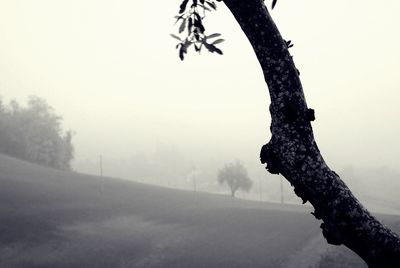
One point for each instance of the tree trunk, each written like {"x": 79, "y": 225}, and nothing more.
{"x": 292, "y": 150}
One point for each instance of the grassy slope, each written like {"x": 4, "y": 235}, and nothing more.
{"x": 50, "y": 218}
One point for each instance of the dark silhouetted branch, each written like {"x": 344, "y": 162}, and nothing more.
{"x": 292, "y": 150}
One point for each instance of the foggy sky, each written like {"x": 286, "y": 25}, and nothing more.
{"x": 111, "y": 70}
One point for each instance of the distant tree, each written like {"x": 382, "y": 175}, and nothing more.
{"x": 34, "y": 133}
{"x": 235, "y": 176}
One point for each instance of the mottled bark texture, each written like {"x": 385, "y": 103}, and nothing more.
{"x": 292, "y": 150}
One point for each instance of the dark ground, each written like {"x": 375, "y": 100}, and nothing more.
{"x": 50, "y": 218}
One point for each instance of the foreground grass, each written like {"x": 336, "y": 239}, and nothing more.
{"x": 50, "y": 218}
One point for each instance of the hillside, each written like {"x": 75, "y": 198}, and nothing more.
{"x": 51, "y": 218}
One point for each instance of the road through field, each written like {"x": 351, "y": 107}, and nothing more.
{"x": 310, "y": 254}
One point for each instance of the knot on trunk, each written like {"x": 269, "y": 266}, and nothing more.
{"x": 292, "y": 112}
{"x": 332, "y": 235}
{"x": 269, "y": 156}
{"x": 310, "y": 114}
{"x": 317, "y": 214}
{"x": 300, "y": 192}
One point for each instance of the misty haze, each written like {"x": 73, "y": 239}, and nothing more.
{"x": 127, "y": 140}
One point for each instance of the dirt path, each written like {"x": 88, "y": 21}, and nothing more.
{"x": 310, "y": 255}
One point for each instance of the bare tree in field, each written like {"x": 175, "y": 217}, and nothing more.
{"x": 235, "y": 176}
{"x": 292, "y": 150}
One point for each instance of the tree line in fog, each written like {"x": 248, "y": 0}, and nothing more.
{"x": 34, "y": 133}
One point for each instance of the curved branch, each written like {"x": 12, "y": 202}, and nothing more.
{"x": 292, "y": 150}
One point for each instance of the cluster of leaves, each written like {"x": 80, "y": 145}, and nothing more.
{"x": 274, "y": 3}
{"x": 34, "y": 133}
{"x": 191, "y": 18}
{"x": 191, "y": 25}
{"x": 289, "y": 43}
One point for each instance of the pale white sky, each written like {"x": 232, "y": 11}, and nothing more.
{"x": 111, "y": 69}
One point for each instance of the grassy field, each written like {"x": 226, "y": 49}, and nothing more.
{"x": 50, "y": 218}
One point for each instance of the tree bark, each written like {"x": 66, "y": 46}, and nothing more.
{"x": 292, "y": 150}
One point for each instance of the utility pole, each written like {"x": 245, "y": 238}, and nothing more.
{"x": 194, "y": 181}
{"x": 101, "y": 165}
{"x": 282, "y": 200}
{"x": 101, "y": 174}
{"x": 193, "y": 173}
